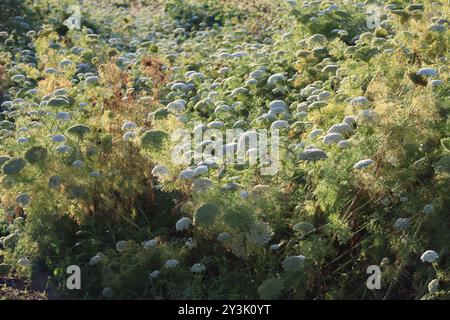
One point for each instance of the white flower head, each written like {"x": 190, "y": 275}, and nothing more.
{"x": 22, "y": 140}
{"x": 224, "y": 236}
{"x": 293, "y": 263}
{"x": 344, "y": 144}
{"x": 155, "y": 274}
{"x": 25, "y": 262}
{"x": 436, "y": 83}
{"x": 63, "y": 149}
{"x": 313, "y": 154}
{"x": 433, "y": 286}
{"x": 191, "y": 244}
{"x": 63, "y": 116}
{"x": 95, "y": 174}
{"x": 121, "y": 245}
{"x": 385, "y": 202}
{"x": 428, "y": 209}
{"x": 244, "y": 194}
{"x": 108, "y": 292}
{"x": 171, "y": 263}
{"x": 127, "y": 136}
{"x": 160, "y": 171}
{"x": 367, "y": 117}
{"x": 183, "y": 224}
{"x": 202, "y": 169}
{"x": 402, "y": 223}
{"x": 275, "y": 246}
{"x": 186, "y": 174}
{"x": 350, "y": 120}
{"x": 175, "y": 107}
{"x": 315, "y": 133}
{"x": 362, "y": 164}
{"x": 334, "y": 137}
{"x": 427, "y": 72}
{"x": 429, "y": 256}
{"x": 384, "y": 261}
{"x": 359, "y": 102}
{"x": 77, "y": 164}
{"x": 276, "y": 79}
{"x": 95, "y": 260}
{"x": 201, "y": 185}
{"x": 342, "y": 128}
{"x": 58, "y": 138}
{"x": 317, "y": 41}
{"x": 260, "y": 233}
{"x": 23, "y": 199}
{"x": 277, "y": 106}
{"x": 150, "y": 243}
{"x": 198, "y": 268}
{"x": 280, "y": 124}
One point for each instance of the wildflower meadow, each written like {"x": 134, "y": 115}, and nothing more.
{"x": 207, "y": 149}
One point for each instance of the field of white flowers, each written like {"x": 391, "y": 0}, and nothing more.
{"x": 96, "y": 96}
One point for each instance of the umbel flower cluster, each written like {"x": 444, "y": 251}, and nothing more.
{"x": 94, "y": 95}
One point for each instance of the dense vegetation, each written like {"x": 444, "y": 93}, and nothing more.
{"x": 359, "y": 91}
